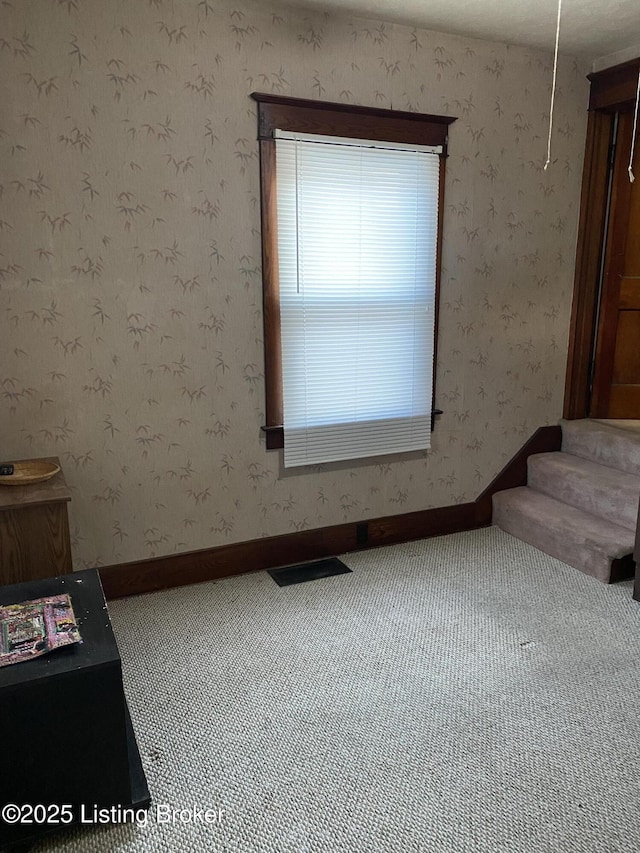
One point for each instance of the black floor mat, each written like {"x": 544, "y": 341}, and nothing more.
{"x": 309, "y": 571}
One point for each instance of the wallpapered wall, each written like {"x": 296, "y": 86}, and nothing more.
{"x": 130, "y": 267}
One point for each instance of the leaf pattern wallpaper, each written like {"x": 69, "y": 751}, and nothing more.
{"x": 130, "y": 279}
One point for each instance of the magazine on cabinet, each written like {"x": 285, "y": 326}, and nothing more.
{"x": 34, "y": 628}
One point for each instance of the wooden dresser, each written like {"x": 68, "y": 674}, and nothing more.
{"x": 34, "y": 530}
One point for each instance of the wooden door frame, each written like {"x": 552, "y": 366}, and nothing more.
{"x": 612, "y": 90}
{"x": 613, "y": 270}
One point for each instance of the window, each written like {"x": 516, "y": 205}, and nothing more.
{"x": 351, "y": 212}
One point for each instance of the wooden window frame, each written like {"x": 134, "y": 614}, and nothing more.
{"x": 327, "y": 119}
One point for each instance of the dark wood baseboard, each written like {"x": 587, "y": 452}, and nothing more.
{"x": 636, "y": 556}
{"x": 274, "y": 551}
{"x": 622, "y": 569}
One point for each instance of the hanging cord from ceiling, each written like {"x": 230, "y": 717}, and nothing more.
{"x": 553, "y": 86}
{"x": 633, "y": 133}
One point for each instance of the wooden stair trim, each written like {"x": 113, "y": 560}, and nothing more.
{"x": 547, "y": 439}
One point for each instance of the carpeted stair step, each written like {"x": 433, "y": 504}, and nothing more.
{"x": 597, "y": 489}
{"x": 609, "y": 445}
{"x": 579, "y": 539}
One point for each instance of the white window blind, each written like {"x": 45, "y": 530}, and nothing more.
{"x": 357, "y": 236}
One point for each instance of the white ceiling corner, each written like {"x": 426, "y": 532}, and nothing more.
{"x": 591, "y": 29}
{"x": 616, "y": 58}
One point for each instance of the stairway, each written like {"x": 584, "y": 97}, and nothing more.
{"x": 581, "y": 504}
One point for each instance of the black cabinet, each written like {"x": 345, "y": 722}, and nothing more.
{"x": 65, "y": 729}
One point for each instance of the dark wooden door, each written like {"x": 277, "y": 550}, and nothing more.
{"x": 616, "y": 377}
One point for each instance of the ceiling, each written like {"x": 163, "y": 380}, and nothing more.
{"x": 589, "y": 28}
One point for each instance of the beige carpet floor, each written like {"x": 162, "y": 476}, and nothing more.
{"x": 465, "y": 693}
